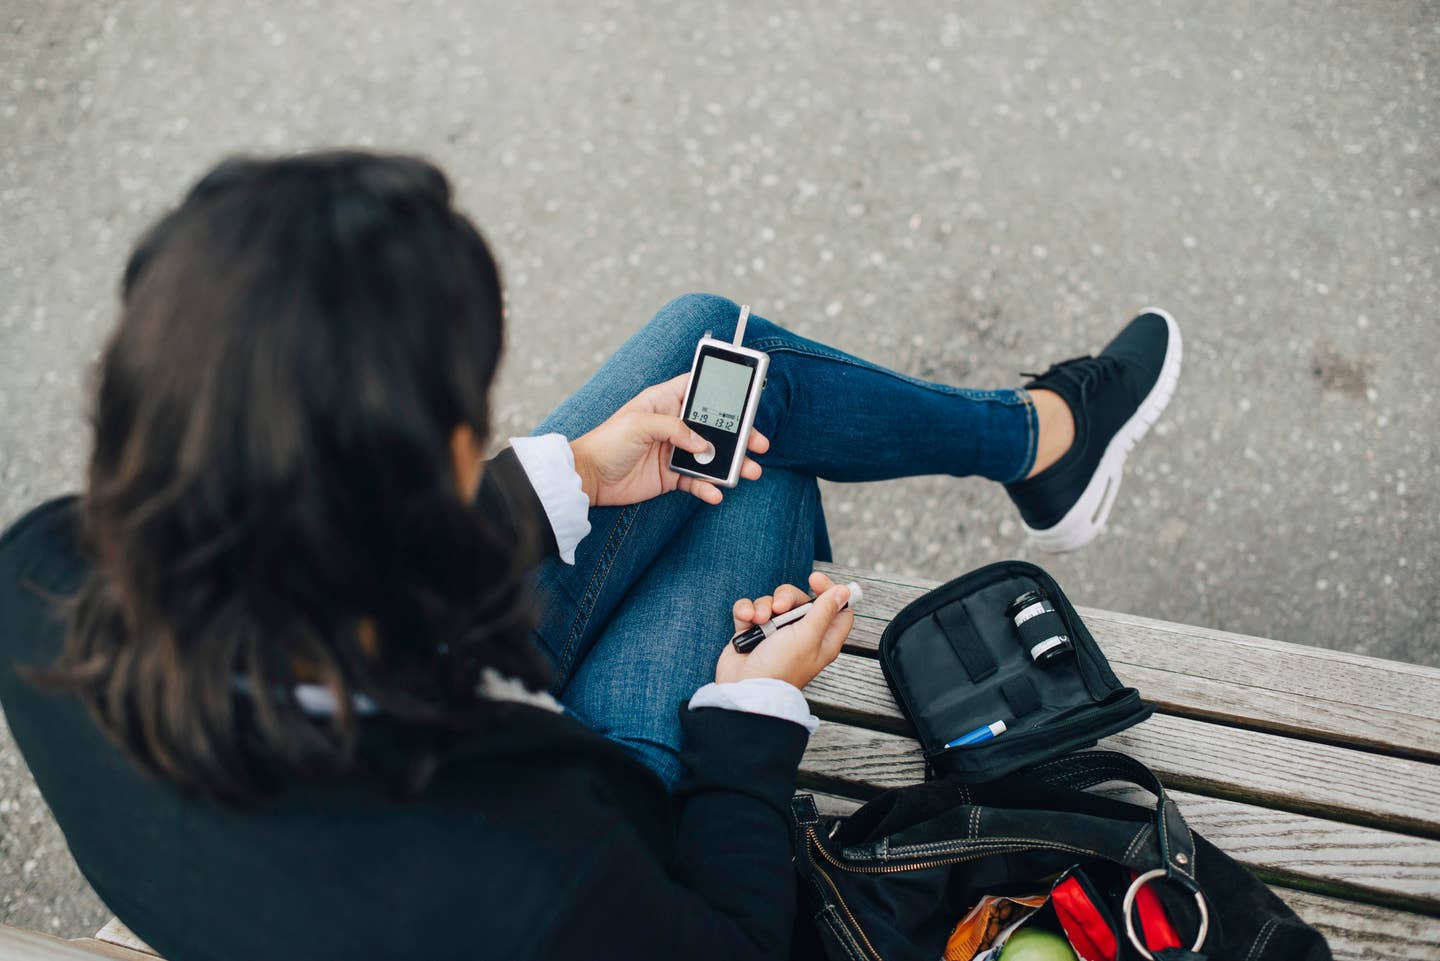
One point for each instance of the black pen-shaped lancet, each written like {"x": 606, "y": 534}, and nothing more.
{"x": 747, "y": 640}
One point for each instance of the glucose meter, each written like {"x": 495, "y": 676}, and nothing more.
{"x": 720, "y": 404}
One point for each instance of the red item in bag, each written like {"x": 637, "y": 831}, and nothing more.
{"x": 1086, "y": 923}
{"x": 1155, "y": 924}
{"x": 1090, "y": 927}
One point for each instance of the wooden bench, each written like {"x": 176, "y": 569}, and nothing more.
{"x": 112, "y": 941}
{"x": 1319, "y": 770}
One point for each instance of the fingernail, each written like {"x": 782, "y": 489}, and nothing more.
{"x": 697, "y": 440}
{"x": 843, "y": 595}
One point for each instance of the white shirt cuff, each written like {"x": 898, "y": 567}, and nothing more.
{"x": 758, "y": 695}
{"x": 549, "y": 463}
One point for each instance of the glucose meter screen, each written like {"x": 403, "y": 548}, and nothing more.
{"x": 720, "y": 394}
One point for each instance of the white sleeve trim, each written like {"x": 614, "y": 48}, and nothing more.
{"x": 495, "y": 686}
{"x": 758, "y": 695}
{"x": 550, "y": 464}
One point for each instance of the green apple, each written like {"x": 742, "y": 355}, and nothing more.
{"x": 1036, "y": 944}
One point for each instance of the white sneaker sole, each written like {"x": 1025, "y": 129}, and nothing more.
{"x": 1087, "y": 517}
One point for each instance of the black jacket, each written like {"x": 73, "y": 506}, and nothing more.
{"x": 537, "y": 839}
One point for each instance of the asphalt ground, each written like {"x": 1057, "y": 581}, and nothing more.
{"x": 959, "y": 192}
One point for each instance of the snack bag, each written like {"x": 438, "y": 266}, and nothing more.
{"x": 988, "y": 924}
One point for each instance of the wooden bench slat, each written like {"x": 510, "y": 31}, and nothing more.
{"x": 1306, "y": 692}
{"x": 1407, "y": 690}
{"x": 18, "y": 944}
{"x": 114, "y": 932}
{"x": 1278, "y": 712}
{"x": 1393, "y": 793}
{"x": 1382, "y": 867}
{"x": 1363, "y": 932}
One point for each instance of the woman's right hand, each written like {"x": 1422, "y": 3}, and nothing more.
{"x": 799, "y": 651}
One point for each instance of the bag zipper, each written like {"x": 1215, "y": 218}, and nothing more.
{"x": 998, "y": 846}
{"x": 815, "y": 845}
{"x": 855, "y": 924}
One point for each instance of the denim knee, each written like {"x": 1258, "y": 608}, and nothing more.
{"x": 685, "y": 319}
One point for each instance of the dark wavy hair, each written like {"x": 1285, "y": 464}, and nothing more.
{"x": 272, "y": 478}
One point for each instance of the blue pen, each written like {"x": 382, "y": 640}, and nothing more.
{"x": 981, "y": 734}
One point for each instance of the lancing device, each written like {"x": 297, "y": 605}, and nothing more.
{"x": 986, "y": 732}
{"x": 747, "y": 640}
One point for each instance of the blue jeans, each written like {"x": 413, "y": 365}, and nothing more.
{"x": 635, "y": 626}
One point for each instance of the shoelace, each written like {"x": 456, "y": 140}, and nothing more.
{"x": 1083, "y": 372}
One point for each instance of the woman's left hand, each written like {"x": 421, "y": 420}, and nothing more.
{"x": 627, "y": 458}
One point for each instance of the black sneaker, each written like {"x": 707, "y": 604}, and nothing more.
{"x": 1115, "y": 398}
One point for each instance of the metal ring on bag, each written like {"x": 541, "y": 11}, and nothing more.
{"x": 1134, "y": 889}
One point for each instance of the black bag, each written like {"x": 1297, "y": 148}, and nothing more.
{"x": 890, "y": 882}
{"x": 1012, "y": 815}
{"x": 956, "y": 662}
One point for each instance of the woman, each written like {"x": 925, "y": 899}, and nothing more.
{"x": 276, "y": 671}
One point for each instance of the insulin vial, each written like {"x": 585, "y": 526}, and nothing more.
{"x": 1051, "y": 645}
